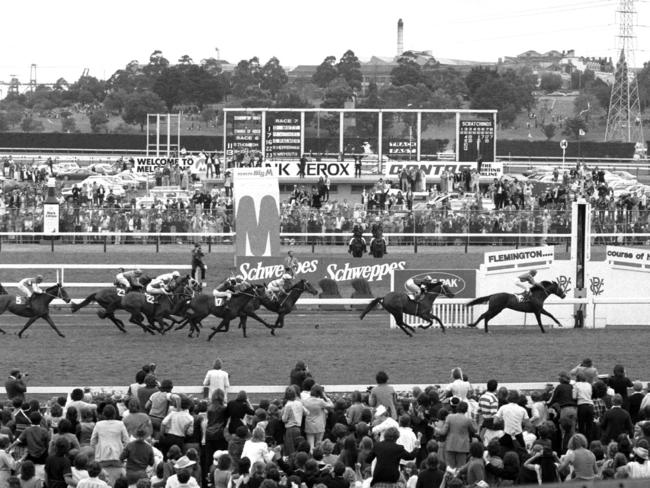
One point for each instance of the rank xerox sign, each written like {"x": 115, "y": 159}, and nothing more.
{"x": 257, "y": 211}
{"x": 462, "y": 282}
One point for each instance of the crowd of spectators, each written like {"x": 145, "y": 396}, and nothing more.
{"x": 587, "y": 427}
{"x": 506, "y": 206}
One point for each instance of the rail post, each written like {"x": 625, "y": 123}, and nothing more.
{"x": 157, "y": 243}
{"x": 105, "y": 238}
{"x": 209, "y": 244}
{"x": 415, "y": 244}
{"x": 52, "y": 244}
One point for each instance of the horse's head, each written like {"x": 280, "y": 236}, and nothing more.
{"x": 193, "y": 285}
{"x": 304, "y": 285}
{"x": 440, "y": 288}
{"x": 552, "y": 287}
{"x": 59, "y": 292}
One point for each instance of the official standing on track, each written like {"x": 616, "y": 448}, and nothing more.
{"x": 197, "y": 262}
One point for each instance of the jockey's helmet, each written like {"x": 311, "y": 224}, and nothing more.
{"x": 137, "y": 272}
{"x": 39, "y": 278}
{"x": 176, "y": 274}
{"x": 533, "y": 272}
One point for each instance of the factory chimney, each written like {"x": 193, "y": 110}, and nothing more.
{"x": 400, "y": 37}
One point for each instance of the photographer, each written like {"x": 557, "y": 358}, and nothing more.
{"x": 16, "y": 384}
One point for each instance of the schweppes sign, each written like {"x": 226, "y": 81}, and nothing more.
{"x": 257, "y": 211}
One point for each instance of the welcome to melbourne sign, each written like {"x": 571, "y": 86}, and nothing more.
{"x": 149, "y": 165}
{"x": 257, "y": 211}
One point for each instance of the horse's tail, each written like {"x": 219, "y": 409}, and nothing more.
{"x": 87, "y": 301}
{"x": 370, "y": 306}
{"x": 478, "y": 301}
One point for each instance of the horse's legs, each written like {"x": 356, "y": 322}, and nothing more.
{"x": 118, "y": 323}
{"x": 548, "y": 314}
{"x": 538, "y": 316}
{"x": 48, "y": 319}
{"x": 27, "y": 325}
{"x": 437, "y": 319}
{"x": 242, "y": 323}
{"x": 399, "y": 320}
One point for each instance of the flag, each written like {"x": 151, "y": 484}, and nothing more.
{"x": 582, "y": 132}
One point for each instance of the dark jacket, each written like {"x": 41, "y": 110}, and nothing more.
{"x": 15, "y": 388}
{"x": 616, "y": 421}
{"x": 388, "y": 455}
{"x": 430, "y": 478}
{"x": 237, "y": 409}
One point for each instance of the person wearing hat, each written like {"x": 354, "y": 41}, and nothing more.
{"x": 31, "y": 286}
{"x": 182, "y": 478}
{"x": 418, "y": 287}
{"x": 640, "y": 467}
{"x": 129, "y": 279}
{"x": 382, "y": 422}
{"x": 526, "y": 281}
{"x": 160, "y": 285}
{"x": 197, "y": 262}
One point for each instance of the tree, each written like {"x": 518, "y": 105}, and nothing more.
{"x": 349, "y": 68}
{"x": 508, "y": 92}
{"x": 273, "y": 76}
{"x": 98, "y": 120}
{"x": 4, "y": 123}
{"x": 551, "y": 82}
{"x": 254, "y": 96}
{"x": 13, "y": 115}
{"x": 477, "y": 77}
{"x": 29, "y": 124}
{"x": 68, "y": 124}
{"x": 602, "y": 92}
{"x": 208, "y": 115}
{"x": 185, "y": 60}
{"x": 291, "y": 100}
{"x": 643, "y": 79}
{"x": 580, "y": 80}
{"x": 246, "y": 74}
{"x": 436, "y": 77}
{"x": 198, "y": 86}
{"x": 115, "y": 101}
{"x": 338, "y": 92}
{"x": 87, "y": 90}
{"x": 139, "y": 104}
{"x": 157, "y": 64}
{"x": 549, "y": 131}
{"x": 212, "y": 66}
{"x": 325, "y": 73}
{"x": 168, "y": 86}
{"x": 573, "y": 126}
{"x": 407, "y": 72}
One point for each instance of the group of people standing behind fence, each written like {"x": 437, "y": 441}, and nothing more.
{"x": 587, "y": 427}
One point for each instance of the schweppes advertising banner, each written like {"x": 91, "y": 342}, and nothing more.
{"x": 343, "y": 269}
{"x": 257, "y": 211}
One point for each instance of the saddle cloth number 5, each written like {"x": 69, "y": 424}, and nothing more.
{"x": 20, "y": 300}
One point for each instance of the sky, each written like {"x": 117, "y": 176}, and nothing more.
{"x": 65, "y": 37}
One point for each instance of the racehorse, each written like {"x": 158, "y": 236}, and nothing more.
{"x": 110, "y": 300}
{"x": 378, "y": 246}
{"x": 203, "y": 305}
{"x": 535, "y": 304}
{"x": 357, "y": 246}
{"x": 155, "y": 309}
{"x": 281, "y": 307}
{"x": 39, "y": 308}
{"x": 398, "y": 303}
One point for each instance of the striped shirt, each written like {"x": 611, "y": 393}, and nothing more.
{"x": 488, "y": 405}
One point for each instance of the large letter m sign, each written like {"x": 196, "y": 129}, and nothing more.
{"x": 257, "y": 223}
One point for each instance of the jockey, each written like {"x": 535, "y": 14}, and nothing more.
{"x": 129, "y": 279}
{"x": 357, "y": 245}
{"x": 160, "y": 284}
{"x": 276, "y": 287}
{"x": 526, "y": 281}
{"x": 31, "y": 286}
{"x": 225, "y": 289}
{"x": 418, "y": 287}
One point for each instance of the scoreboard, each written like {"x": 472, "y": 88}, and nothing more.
{"x": 476, "y": 140}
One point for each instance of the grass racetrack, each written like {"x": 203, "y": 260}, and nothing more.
{"x": 338, "y": 347}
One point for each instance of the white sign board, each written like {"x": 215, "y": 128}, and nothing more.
{"x": 51, "y": 218}
{"x": 519, "y": 258}
{"x": 628, "y": 257}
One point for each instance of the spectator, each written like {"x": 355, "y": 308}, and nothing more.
{"x": 36, "y": 439}
{"x": 134, "y": 419}
{"x": 316, "y": 405}
{"x": 639, "y": 467}
{"x": 388, "y": 454}
{"x": 58, "y": 470}
{"x": 458, "y": 429}
{"x": 383, "y": 395}
{"x": 237, "y": 409}
{"x": 108, "y": 440}
{"x": 256, "y": 449}
{"x": 616, "y": 421}
{"x": 16, "y": 384}
{"x": 515, "y": 418}
{"x": 298, "y": 374}
{"x": 587, "y": 368}
{"x": 619, "y": 382}
{"x": 292, "y": 415}
{"x": 177, "y": 425}
{"x": 138, "y": 456}
{"x": 581, "y": 459}
{"x": 7, "y": 463}
{"x": 216, "y": 378}
{"x": 582, "y": 392}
